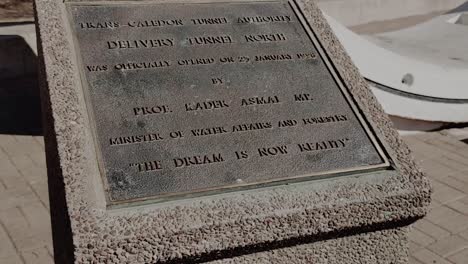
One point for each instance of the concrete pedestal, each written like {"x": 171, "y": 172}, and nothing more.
{"x": 353, "y": 217}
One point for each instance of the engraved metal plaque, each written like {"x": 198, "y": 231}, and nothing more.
{"x": 189, "y": 98}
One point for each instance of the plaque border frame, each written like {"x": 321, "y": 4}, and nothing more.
{"x": 387, "y": 164}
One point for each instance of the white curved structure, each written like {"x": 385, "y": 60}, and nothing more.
{"x": 359, "y": 12}
{"x": 417, "y": 73}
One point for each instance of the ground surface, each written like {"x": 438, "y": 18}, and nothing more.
{"x": 440, "y": 238}
{"x": 394, "y": 24}
{"x": 16, "y": 10}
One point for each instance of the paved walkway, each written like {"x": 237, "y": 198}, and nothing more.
{"x": 25, "y": 233}
{"x": 440, "y": 238}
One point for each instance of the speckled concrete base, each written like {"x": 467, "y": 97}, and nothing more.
{"x": 382, "y": 247}
{"x": 218, "y": 227}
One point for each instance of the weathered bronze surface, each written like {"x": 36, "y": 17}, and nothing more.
{"x": 188, "y": 98}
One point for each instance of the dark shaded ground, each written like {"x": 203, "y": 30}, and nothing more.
{"x": 13, "y": 10}
{"x": 20, "y": 106}
{"x": 20, "y": 109}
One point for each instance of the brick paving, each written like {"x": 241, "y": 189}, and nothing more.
{"x": 440, "y": 238}
{"x": 25, "y": 232}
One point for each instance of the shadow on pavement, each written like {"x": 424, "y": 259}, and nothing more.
{"x": 461, "y": 8}
{"x": 20, "y": 108}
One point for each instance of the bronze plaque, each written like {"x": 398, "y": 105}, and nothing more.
{"x": 190, "y": 98}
